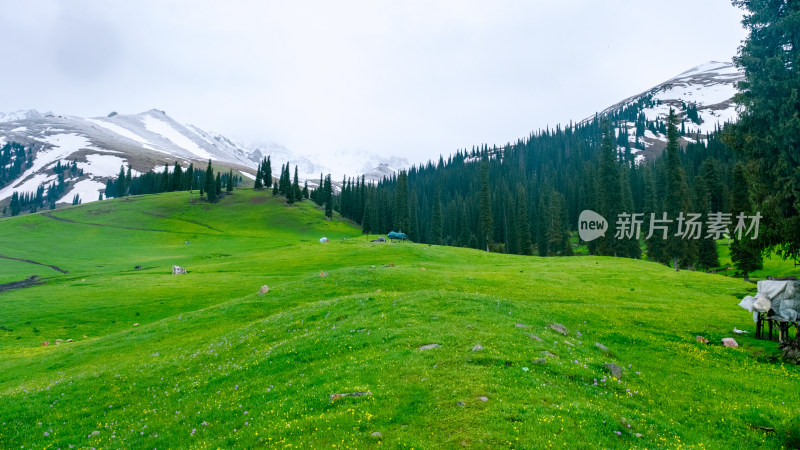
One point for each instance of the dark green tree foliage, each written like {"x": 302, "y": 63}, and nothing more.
{"x": 745, "y": 252}
{"x": 677, "y": 194}
{"x": 290, "y": 188}
{"x": 707, "y": 257}
{"x": 630, "y": 248}
{"x": 305, "y": 190}
{"x": 121, "y": 187}
{"x": 486, "y": 208}
{"x": 401, "y": 219}
{"x": 177, "y": 178}
{"x": 258, "y": 183}
{"x": 218, "y": 185}
{"x": 15, "y": 204}
{"x": 436, "y": 225}
{"x": 327, "y": 196}
{"x": 267, "y": 173}
{"x": 229, "y": 184}
{"x": 523, "y": 226}
{"x": 210, "y": 184}
{"x": 609, "y": 188}
{"x": 768, "y": 129}
{"x": 296, "y": 192}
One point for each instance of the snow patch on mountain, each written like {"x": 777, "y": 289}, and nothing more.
{"x": 87, "y": 190}
{"x": 168, "y": 132}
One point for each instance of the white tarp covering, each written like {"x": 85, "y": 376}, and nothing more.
{"x": 781, "y": 299}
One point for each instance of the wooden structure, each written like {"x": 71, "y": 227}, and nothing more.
{"x": 766, "y": 324}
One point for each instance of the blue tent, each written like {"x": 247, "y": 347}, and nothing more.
{"x": 395, "y": 235}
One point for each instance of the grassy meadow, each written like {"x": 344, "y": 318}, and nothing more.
{"x": 146, "y": 359}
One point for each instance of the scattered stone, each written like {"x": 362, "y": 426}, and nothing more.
{"x": 615, "y": 369}
{"x": 83, "y": 280}
{"x": 264, "y": 289}
{"x": 477, "y": 348}
{"x": 335, "y": 397}
{"x": 729, "y": 342}
{"x": 483, "y": 399}
{"x": 702, "y": 340}
{"x": 378, "y": 290}
{"x": 535, "y": 337}
{"x": 372, "y": 267}
{"x": 68, "y": 340}
{"x": 138, "y": 267}
{"x": 376, "y": 435}
{"x": 388, "y": 265}
{"x": 461, "y": 404}
{"x": 421, "y": 268}
{"x": 548, "y": 354}
{"x": 558, "y": 328}
{"x": 790, "y": 350}
{"x": 323, "y": 274}
{"x": 601, "y": 346}
{"x": 638, "y": 435}
{"x": 429, "y": 346}
{"x": 45, "y": 343}
{"x": 569, "y": 343}
{"x": 178, "y": 270}
{"x": 136, "y": 324}
{"x": 94, "y": 433}
{"x": 539, "y": 361}
{"x": 521, "y": 325}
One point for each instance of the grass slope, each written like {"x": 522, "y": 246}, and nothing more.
{"x": 201, "y": 360}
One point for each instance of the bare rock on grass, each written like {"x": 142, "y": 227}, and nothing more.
{"x": 535, "y": 337}
{"x": 539, "y": 361}
{"x": 429, "y": 346}
{"x": 548, "y": 354}
{"x": 558, "y": 328}
{"x": 477, "y": 348}
{"x": 701, "y": 340}
{"x": 521, "y": 325}
{"x": 335, "y": 397}
{"x": 264, "y": 289}
{"x": 601, "y": 346}
{"x": 729, "y": 342}
{"x": 614, "y": 369}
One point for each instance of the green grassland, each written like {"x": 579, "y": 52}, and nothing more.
{"x": 201, "y": 360}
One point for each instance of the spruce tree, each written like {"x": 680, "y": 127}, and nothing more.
{"x": 609, "y": 193}
{"x": 677, "y": 194}
{"x": 218, "y": 185}
{"x": 258, "y": 184}
{"x": 267, "y": 173}
{"x": 296, "y": 192}
{"x": 401, "y": 214}
{"x": 436, "y": 222}
{"x": 229, "y": 186}
{"x": 745, "y": 252}
{"x": 768, "y": 129}
{"x": 327, "y": 196}
{"x": 707, "y": 257}
{"x": 121, "y": 188}
{"x": 485, "y": 207}
{"x": 15, "y": 206}
{"x": 523, "y": 232}
{"x": 210, "y": 184}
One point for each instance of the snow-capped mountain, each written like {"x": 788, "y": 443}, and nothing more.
{"x": 702, "y": 97}
{"x": 145, "y": 141}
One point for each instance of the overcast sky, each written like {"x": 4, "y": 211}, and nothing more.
{"x": 402, "y": 77}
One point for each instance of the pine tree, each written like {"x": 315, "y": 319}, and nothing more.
{"x": 210, "y": 184}
{"x": 218, "y": 185}
{"x": 485, "y": 207}
{"x": 401, "y": 219}
{"x": 177, "y": 178}
{"x": 15, "y": 206}
{"x": 257, "y": 184}
{"x": 523, "y": 232}
{"x": 609, "y": 196}
{"x": 707, "y": 256}
{"x": 296, "y": 192}
{"x": 229, "y": 186}
{"x": 128, "y": 181}
{"x": 677, "y": 190}
{"x": 768, "y": 129}
{"x": 327, "y": 195}
{"x": 267, "y": 173}
{"x": 305, "y": 190}
{"x": 745, "y": 252}
{"x": 121, "y": 188}
{"x": 436, "y": 222}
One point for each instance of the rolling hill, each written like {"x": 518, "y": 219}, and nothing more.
{"x": 439, "y": 346}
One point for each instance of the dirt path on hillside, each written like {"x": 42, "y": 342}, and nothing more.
{"x": 56, "y": 268}
{"x": 62, "y": 219}
{"x": 182, "y": 220}
{"x": 32, "y": 280}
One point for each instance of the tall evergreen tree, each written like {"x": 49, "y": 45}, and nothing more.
{"x": 768, "y": 129}
{"x": 523, "y": 232}
{"x": 707, "y": 257}
{"x": 258, "y": 183}
{"x": 218, "y": 185}
{"x": 677, "y": 190}
{"x": 296, "y": 192}
{"x": 485, "y": 207}
{"x": 229, "y": 185}
{"x": 327, "y": 196}
{"x": 745, "y": 252}
{"x": 401, "y": 220}
{"x": 267, "y": 173}
{"x": 121, "y": 188}
{"x": 609, "y": 197}
{"x": 436, "y": 222}
{"x": 210, "y": 184}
